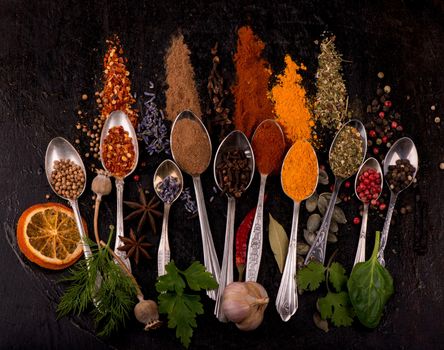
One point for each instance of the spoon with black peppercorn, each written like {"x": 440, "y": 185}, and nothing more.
{"x": 400, "y": 168}
{"x": 233, "y": 172}
{"x": 119, "y": 119}
{"x": 343, "y": 150}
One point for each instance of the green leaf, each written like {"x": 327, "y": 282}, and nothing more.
{"x": 370, "y": 287}
{"x": 337, "y": 307}
{"x": 171, "y": 281}
{"x": 182, "y": 311}
{"x": 278, "y": 242}
{"x": 311, "y": 276}
{"x": 198, "y": 278}
{"x": 337, "y": 276}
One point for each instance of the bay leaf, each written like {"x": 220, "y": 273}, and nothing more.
{"x": 278, "y": 242}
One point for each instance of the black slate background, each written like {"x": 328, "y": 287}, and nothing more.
{"x": 51, "y": 54}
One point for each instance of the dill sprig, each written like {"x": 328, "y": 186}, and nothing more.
{"x": 115, "y": 296}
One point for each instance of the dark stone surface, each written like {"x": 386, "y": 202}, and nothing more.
{"x": 51, "y": 54}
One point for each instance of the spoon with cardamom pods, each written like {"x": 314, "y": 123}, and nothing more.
{"x": 119, "y": 153}
{"x": 400, "y": 168}
{"x": 233, "y": 172}
{"x": 299, "y": 179}
{"x": 368, "y": 188}
{"x": 168, "y": 185}
{"x": 268, "y": 144}
{"x": 347, "y": 152}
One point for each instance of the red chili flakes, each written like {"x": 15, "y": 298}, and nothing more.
{"x": 118, "y": 152}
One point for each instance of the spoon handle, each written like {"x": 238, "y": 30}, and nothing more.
{"x": 210, "y": 257}
{"x": 163, "y": 256}
{"x": 226, "y": 272}
{"x": 287, "y": 297}
{"x": 256, "y": 238}
{"x": 319, "y": 246}
{"x": 119, "y": 228}
{"x": 385, "y": 230}
{"x": 360, "y": 252}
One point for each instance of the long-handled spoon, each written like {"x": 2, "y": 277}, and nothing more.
{"x": 404, "y": 148}
{"x": 287, "y": 297}
{"x": 210, "y": 257}
{"x": 319, "y": 246}
{"x": 236, "y": 140}
{"x": 370, "y": 163}
{"x": 166, "y": 171}
{"x": 256, "y": 238}
{"x": 119, "y": 118}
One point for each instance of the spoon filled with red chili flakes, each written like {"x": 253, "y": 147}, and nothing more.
{"x": 119, "y": 154}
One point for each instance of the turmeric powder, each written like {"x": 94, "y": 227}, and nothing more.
{"x": 300, "y": 171}
{"x": 290, "y": 103}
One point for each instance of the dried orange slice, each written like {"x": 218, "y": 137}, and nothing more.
{"x": 48, "y": 236}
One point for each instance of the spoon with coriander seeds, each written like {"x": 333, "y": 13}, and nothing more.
{"x": 168, "y": 184}
{"x": 119, "y": 153}
{"x": 400, "y": 168}
{"x": 347, "y": 152}
{"x": 233, "y": 172}
{"x": 299, "y": 178}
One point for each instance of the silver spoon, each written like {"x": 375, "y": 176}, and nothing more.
{"x": 287, "y": 297}
{"x": 210, "y": 257}
{"x": 404, "y": 148}
{"x": 370, "y": 163}
{"x": 166, "y": 169}
{"x": 58, "y": 149}
{"x": 319, "y": 246}
{"x": 236, "y": 140}
{"x": 256, "y": 237}
{"x": 119, "y": 118}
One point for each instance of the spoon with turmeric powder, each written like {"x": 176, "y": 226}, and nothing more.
{"x": 268, "y": 144}
{"x": 299, "y": 178}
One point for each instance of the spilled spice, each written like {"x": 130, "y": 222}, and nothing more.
{"x": 251, "y": 88}
{"x": 290, "y": 103}
{"x": 181, "y": 93}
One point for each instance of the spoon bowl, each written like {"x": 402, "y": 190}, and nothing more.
{"x": 165, "y": 169}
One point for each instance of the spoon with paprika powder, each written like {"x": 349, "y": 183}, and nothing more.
{"x": 119, "y": 153}
{"x": 299, "y": 178}
{"x": 268, "y": 144}
{"x": 233, "y": 172}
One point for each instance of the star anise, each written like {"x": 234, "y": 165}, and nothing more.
{"x": 135, "y": 247}
{"x": 144, "y": 209}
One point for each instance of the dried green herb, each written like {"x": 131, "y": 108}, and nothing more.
{"x": 346, "y": 155}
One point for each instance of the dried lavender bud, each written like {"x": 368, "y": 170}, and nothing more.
{"x": 189, "y": 203}
{"x": 168, "y": 189}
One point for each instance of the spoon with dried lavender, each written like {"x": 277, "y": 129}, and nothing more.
{"x": 347, "y": 152}
{"x": 168, "y": 184}
{"x": 119, "y": 153}
{"x": 268, "y": 144}
{"x": 368, "y": 188}
{"x": 299, "y": 178}
{"x": 233, "y": 172}
{"x": 191, "y": 150}
{"x": 400, "y": 168}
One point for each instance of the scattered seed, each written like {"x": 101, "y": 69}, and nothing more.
{"x": 303, "y": 248}
{"x": 381, "y": 75}
{"x": 311, "y": 203}
{"x": 332, "y": 238}
{"x": 339, "y": 216}
{"x": 309, "y": 237}
{"x": 313, "y": 222}
{"x": 84, "y": 97}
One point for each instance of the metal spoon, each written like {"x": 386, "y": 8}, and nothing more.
{"x": 404, "y": 148}
{"x": 319, "y": 246}
{"x": 166, "y": 169}
{"x": 236, "y": 140}
{"x": 370, "y": 163}
{"x": 256, "y": 238}
{"x": 119, "y": 118}
{"x": 58, "y": 149}
{"x": 287, "y": 297}
{"x": 210, "y": 257}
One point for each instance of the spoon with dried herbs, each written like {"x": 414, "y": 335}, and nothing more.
{"x": 168, "y": 184}
{"x": 346, "y": 155}
{"x": 233, "y": 172}
{"x": 400, "y": 168}
{"x": 299, "y": 178}
{"x": 119, "y": 153}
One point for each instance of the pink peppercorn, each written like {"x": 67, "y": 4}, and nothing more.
{"x": 369, "y": 186}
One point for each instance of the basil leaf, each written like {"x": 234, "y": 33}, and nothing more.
{"x": 370, "y": 286}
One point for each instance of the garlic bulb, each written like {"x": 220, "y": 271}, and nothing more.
{"x": 244, "y": 304}
{"x": 146, "y": 312}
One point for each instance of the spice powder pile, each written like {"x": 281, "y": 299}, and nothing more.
{"x": 118, "y": 152}
{"x": 268, "y": 147}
